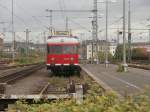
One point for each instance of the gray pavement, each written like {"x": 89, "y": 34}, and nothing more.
{"x": 133, "y": 81}
{"x": 28, "y": 85}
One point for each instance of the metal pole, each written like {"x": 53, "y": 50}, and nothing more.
{"x": 118, "y": 36}
{"x": 13, "y": 34}
{"x": 27, "y": 42}
{"x": 92, "y": 53}
{"x": 66, "y": 28}
{"x": 149, "y": 44}
{"x": 129, "y": 33}
{"x": 51, "y": 22}
{"x": 124, "y": 36}
{"x": 106, "y": 43}
{"x": 95, "y": 30}
{"x": 44, "y": 34}
{"x": 96, "y": 18}
{"x": 149, "y": 35}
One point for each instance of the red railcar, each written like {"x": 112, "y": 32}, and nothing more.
{"x": 62, "y": 54}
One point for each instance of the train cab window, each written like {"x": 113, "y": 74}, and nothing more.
{"x": 70, "y": 49}
{"x": 55, "y": 49}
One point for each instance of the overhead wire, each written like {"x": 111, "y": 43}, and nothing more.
{"x": 113, "y": 23}
{"x": 62, "y": 8}
{"x": 37, "y": 21}
{"x": 22, "y": 20}
{"x": 66, "y": 14}
{"x": 78, "y": 24}
{"x": 19, "y": 18}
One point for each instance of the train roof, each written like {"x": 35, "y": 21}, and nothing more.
{"x": 62, "y": 39}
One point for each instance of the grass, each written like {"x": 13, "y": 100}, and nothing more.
{"x": 27, "y": 60}
{"x": 120, "y": 68}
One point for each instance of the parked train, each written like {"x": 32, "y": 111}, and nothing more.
{"x": 63, "y": 54}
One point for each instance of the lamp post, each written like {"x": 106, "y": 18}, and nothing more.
{"x": 125, "y": 66}
{"x": 149, "y": 45}
{"x": 129, "y": 32}
{"x": 106, "y": 45}
{"x": 95, "y": 32}
{"x": 13, "y": 33}
{"x": 149, "y": 42}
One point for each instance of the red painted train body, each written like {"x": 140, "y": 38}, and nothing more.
{"x": 62, "y": 54}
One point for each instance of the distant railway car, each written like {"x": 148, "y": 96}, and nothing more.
{"x": 62, "y": 55}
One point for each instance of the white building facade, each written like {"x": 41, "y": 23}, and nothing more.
{"x": 101, "y": 48}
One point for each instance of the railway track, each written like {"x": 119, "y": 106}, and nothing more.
{"x": 139, "y": 66}
{"x": 12, "y": 77}
{"x": 50, "y": 88}
{"x": 54, "y": 88}
{"x": 6, "y": 66}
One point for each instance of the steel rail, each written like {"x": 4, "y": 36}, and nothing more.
{"x": 12, "y": 77}
{"x": 44, "y": 89}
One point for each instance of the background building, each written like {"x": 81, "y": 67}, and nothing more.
{"x": 1, "y": 44}
{"x": 87, "y": 48}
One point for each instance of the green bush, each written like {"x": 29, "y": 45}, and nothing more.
{"x": 101, "y": 56}
{"x": 119, "y": 52}
{"x": 120, "y": 68}
{"x": 105, "y": 103}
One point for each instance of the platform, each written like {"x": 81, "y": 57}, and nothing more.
{"x": 131, "y": 82}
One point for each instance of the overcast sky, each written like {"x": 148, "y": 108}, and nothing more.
{"x": 31, "y": 14}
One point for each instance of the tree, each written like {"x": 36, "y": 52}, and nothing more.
{"x": 22, "y": 51}
{"x": 101, "y": 56}
{"x": 119, "y": 52}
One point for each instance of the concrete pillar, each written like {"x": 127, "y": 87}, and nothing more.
{"x": 79, "y": 94}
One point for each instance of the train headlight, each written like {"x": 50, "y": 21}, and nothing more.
{"x": 52, "y": 59}
{"x": 71, "y": 60}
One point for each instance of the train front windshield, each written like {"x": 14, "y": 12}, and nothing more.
{"x": 65, "y": 49}
{"x": 70, "y": 49}
{"x": 55, "y": 49}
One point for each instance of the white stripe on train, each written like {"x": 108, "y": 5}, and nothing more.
{"x": 61, "y": 64}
